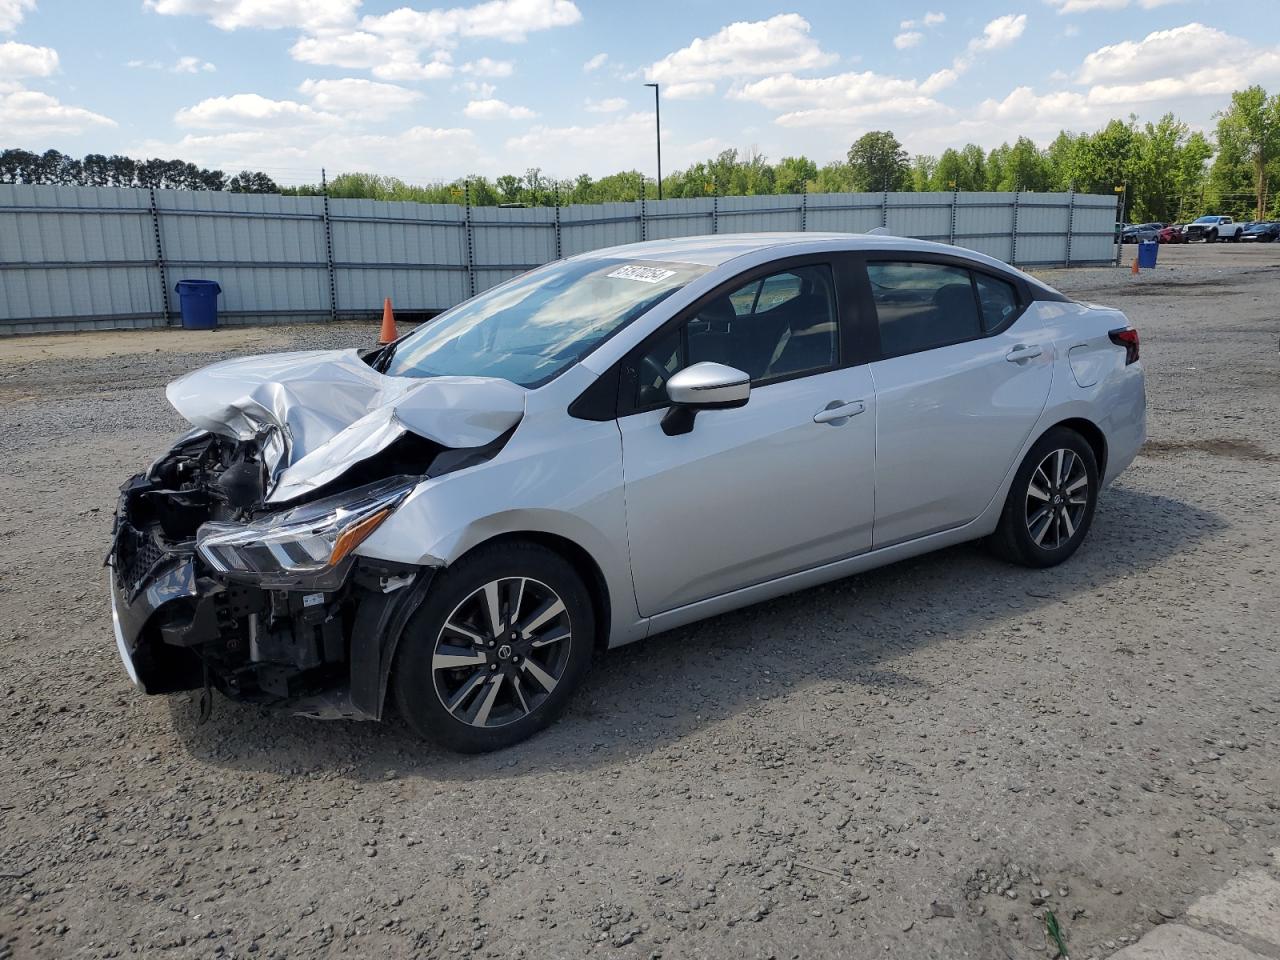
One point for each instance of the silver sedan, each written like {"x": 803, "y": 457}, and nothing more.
{"x": 601, "y": 449}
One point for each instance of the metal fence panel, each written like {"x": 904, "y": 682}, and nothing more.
{"x": 412, "y": 252}
{"x": 267, "y": 252}
{"x": 984, "y": 222}
{"x": 73, "y": 257}
{"x": 94, "y": 257}
{"x": 845, "y": 212}
{"x": 763, "y": 214}
{"x": 682, "y": 217}
{"x": 590, "y": 226}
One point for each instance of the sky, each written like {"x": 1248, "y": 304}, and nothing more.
{"x": 429, "y": 93}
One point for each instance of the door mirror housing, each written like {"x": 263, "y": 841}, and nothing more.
{"x": 703, "y": 386}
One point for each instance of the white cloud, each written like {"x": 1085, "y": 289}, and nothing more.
{"x": 192, "y": 65}
{"x": 778, "y": 45}
{"x": 999, "y": 33}
{"x": 1088, "y": 6}
{"x": 928, "y": 20}
{"x": 857, "y": 97}
{"x": 496, "y": 110}
{"x": 181, "y": 65}
{"x": 420, "y": 154}
{"x": 509, "y": 20}
{"x": 249, "y": 110}
{"x": 24, "y": 60}
{"x": 266, "y": 14}
{"x": 29, "y": 113}
{"x": 391, "y": 45}
{"x": 484, "y": 67}
{"x": 479, "y": 89}
{"x": 908, "y": 38}
{"x": 607, "y": 105}
{"x": 1162, "y": 53}
{"x": 358, "y": 98}
{"x": 595, "y": 63}
{"x": 838, "y": 100}
{"x": 12, "y": 12}
{"x": 688, "y": 91}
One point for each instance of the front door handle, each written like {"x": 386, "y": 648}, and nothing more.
{"x": 837, "y": 411}
{"x": 1023, "y": 351}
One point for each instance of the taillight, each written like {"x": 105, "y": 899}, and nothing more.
{"x": 1127, "y": 338}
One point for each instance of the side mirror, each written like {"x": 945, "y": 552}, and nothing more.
{"x": 703, "y": 386}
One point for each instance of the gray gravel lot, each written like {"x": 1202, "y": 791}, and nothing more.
{"x": 915, "y": 762}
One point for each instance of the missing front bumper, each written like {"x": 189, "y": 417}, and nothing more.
{"x": 176, "y": 620}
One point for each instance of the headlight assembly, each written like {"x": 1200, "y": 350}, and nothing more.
{"x": 308, "y": 546}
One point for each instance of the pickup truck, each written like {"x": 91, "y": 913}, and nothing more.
{"x": 1210, "y": 229}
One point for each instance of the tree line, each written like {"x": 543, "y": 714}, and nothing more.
{"x": 99, "y": 170}
{"x": 1161, "y": 171}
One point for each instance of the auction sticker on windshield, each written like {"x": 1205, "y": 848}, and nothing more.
{"x": 644, "y": 274}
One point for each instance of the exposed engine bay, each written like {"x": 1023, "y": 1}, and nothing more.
{"x": 228, "y": 571}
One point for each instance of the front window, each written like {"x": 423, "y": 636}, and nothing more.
{"x": 1206, "y": 220}
{"x": 532, "y": 328}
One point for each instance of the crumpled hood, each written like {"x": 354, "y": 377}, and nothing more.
{"x": 318, "y": 412}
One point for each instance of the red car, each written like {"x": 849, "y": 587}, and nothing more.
{"x": 1173, "y": 233}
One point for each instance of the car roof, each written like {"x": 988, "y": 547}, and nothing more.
{"x": 717, "y": 249}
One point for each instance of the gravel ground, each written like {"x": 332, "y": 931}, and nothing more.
{"x": 914, "y": 762}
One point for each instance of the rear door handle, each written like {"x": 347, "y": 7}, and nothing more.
{"x": 1023, "y": 352}
{"x": 839, "y": 410}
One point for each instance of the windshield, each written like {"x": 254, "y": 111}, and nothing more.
{"x": 1206, "y": 220}
{"x": 534, "y": 327}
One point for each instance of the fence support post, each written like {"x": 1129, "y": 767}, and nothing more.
{"x": 559, "y": 255}
{"x": 955, "y": 202}
{"x": 804, "y": 210}
{"x": 884, "y": 209}
{"x": 160, "y": 266}
{"x": 715, "y": 213}
{"x": 1071, "y": 222}
{"x": 644, "y": 227}
{"x": 328, "y": 250}
{"x": 471, "y": 255}
{"x": 1013, "y": 249}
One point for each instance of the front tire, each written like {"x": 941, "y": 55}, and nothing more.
{"x": 496, "y": 650}
{"x": 1051, "y": 503}
{"x": 1213, "y": 237}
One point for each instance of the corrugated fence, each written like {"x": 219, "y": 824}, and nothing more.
{"x": 82, "y": 258}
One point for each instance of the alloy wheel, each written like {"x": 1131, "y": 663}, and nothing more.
{"x": 501, "y": 652}
{"x": 1057, "y": 498}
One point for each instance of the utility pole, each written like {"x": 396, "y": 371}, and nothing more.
{"x": 657, "y": 126}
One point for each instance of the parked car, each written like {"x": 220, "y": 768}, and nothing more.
{"x": 1173, "y": 233}
{"x": 1264, "y": 231}
{"x": 1214, "y": 228}
{"x": 1141, "y": 231}
{"x": 601, "y": 449}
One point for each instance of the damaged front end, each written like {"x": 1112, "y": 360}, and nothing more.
{"x": 233, "y": 560}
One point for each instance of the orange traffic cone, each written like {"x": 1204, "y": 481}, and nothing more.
{"x": 388, "y": 331}
{"x": 1134, "y": 271}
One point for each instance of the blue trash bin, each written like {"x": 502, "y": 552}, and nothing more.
{"x": 1147, "y": 251}
{"x": 198, "y": 300}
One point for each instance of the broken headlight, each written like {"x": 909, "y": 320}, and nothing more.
{"x": 308, "y": 546}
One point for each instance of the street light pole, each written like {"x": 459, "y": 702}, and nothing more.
{"x": 657, "y": 127}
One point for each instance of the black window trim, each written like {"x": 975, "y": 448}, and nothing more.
{"x": 850, "y": 348}
{"x": 1020, "y": 286}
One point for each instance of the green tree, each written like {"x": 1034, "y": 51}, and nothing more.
{"x": 878, "y": 162}
{"x": 792, "y": 174}
{"x": 1251, "y": 127}
{"x": 923, "y": 168}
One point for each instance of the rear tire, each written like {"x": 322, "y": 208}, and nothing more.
{"x": 1051, "y": 502}
{"x": 496, "y": 650}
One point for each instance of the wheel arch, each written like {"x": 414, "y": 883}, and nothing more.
{"x": 1092, "y": 434}
{"x": 583, "y": 563}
